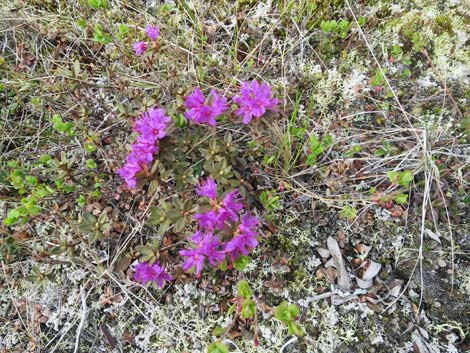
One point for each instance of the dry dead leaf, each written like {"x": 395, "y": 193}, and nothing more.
{"x": 325, "y": 253}
{"x": 343, "y": 278}
{"x": 364, "y": 284}
{"x": 395, "y": 288}
{"x": 371, "y": 271}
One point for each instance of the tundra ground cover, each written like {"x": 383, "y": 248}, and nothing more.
{"x": 133, "y": 134}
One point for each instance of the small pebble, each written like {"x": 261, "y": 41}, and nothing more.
{"x": 441, "y": 263}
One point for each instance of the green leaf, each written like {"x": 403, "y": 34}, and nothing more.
{"x": 269, "y": 200}
{"x": 406, "y": 178}
{"x": 12, "y": 218}
{"x": 244, "y": 289}
{"x": 81, "y": 200}
{"x": 311, "y": 160}
{"x": 180, "y": 224}
{"x": 106, "y": 227}
{"x": 217, "y": 347}
{"x": 295, "y": 329}
{"x": 157, "y": 215}
{"x": 123, "y": 31}
{"x": 329, "y": 26}
{"x": 218, "y": 331}
{"x": 231, "y": 309}
{"x": 315, "y": 144}
{"x": 69, "y": 188}
{"x": 91, "y": 164}
{"x": 42, "y": 191}
{"x": 76, "y": 68}
{"x": 173, "y": 214}
{"x": 401, "y": 199}
{"x": 293, "y": 310}
{"x": 393, "y": 176}
{"x": 344, "y": 25}
{"x": 378, "y": 79}
{"x": 267, "y": 159}
{"x": 286, "y": 313}
{"x": 327, "y": 140}
{"x": 405, "y": 74}
{"x": 96, "y": 4}
{"x": 179, "y": 119}
{"x": 248, "y": 309}
{"x": 90, "y": 147}
{"x": 88, "y": 224}
{"x": 81, "y": 22}
{"x": 44, "y": 159}
{"x": 241, "y": 262}
{"x": 396, "y": 50}
{"x": 31, "y": 180}
{"x": 362, "y": 21}
{"x": 282, "y": 313}
{"x": 380, "y": 152}
{"x": 355, "y": 149}
{"x": 101, "y": 36}
{"x": 223, "y": 265}
{"x": 349, "y": 212}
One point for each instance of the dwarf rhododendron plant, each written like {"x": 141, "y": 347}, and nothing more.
{"x": 202, "y": 110}
{"x": 226, "y": 230}
{"x": 144, "y": 273}
{"x": 219, "y": 222}
{"x": 254, "y": 100}
{"x": 151, "y": 128}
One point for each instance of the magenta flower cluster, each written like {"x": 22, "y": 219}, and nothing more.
{"x": 152, "y": 127}
{"x": 226, "y": 214}
{"x": 151, "y": 32}
{"x": 202, "y": 110}
{"x": 253, "y": 102}
{"x": 144, "y": 273}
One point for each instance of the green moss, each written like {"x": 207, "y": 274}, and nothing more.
{"x": 444, "y": 23}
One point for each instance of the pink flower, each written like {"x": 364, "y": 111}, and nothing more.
{"x": 144, "y": 272}
{"x": 207, "y": 246}
{"x": 153, "y": 124}
{"x": 208, "y": 188}
{"x": 231, "y": 206}
{"x": 140, "y": 48}
{"x": 203, "y": 111}
{"x": 153, "y": 32}
{"x": 143, "y": 150}
{"x": 254, "y": 100}
{"x": 151, "y": 128}
{"x": 249, "y": 223}
{"x": 208, "y": 220}
{"x": 227, "y": 209}
{"x": 129, "y": 171}
{"x": 193, "y": 260}
{"x": 245, "y": 240}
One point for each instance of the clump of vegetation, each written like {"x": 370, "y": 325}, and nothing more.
{"x": 255, "y": 176}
